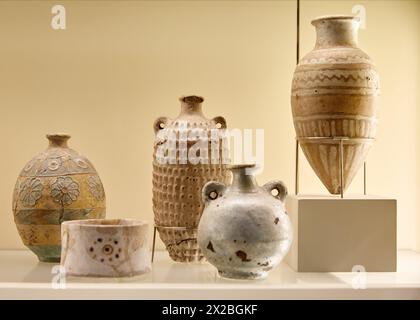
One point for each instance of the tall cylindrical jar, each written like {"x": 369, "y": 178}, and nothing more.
{"x": 57, "y": 185}
{"x": 334, "y": 96}
{"x": 180, "y": 170}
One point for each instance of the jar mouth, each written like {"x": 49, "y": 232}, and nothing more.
{"x": 58, "y": 136}
{"x": 106, "y": 223}
{"x": 317, "y": 20}
{"x": 241, "y": 166}
{"x": 191, "y": 99}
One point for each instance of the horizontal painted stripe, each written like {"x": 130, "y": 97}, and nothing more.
{"x": 52, "y": 217}
{"x": 47, "y": 174}
{"x": 39, "y": 234}
{"x": 334, "y": 116}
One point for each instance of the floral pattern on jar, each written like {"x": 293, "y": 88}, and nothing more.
{"x": 65, "y": 190}
{"x": 96, "y": 188}
{"x": 30, "y": 191}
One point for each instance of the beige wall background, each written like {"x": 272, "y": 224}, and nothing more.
{"x": 121, "y": 64}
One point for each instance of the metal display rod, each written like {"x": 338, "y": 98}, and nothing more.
{"x": 340, "y": 141}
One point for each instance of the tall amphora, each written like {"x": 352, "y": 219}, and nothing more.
{"x": 334, "y": 97}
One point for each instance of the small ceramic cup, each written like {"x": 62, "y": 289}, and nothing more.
{"x": 105, "y": 247}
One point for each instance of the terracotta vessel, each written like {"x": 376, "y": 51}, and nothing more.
{"x": 334, "y": 94}
{"x": 244, "y": 231}
{"x": 105, "y": 248}
{"x": 177, "y": 183}
{"x": 57, "y": 185}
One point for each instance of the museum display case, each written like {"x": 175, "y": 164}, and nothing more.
{"x": 321, "y": 93}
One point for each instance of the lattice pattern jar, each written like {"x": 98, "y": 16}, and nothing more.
{"x": 180, "y": 170}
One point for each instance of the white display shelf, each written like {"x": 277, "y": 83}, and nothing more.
{"x": 23, "y": 277}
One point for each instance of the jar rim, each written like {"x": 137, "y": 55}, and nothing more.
{"x": 105, "y": 223}
{"x": 334, "y": 17}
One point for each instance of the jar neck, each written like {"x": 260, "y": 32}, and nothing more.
{"x": 336, "y": 32}
{"x": 243, "y": 179}
{"x": 191, "y": 105}
{"x": 58, "y": 140}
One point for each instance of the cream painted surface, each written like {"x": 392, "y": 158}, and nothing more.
{"x": 121, "y": 64}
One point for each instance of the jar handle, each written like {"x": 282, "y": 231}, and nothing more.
{"x": 212, "y": 190}
{"x": 160, "y": 124}
{"x": 220, "y": 121}
{"x": 279, "y": 186}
